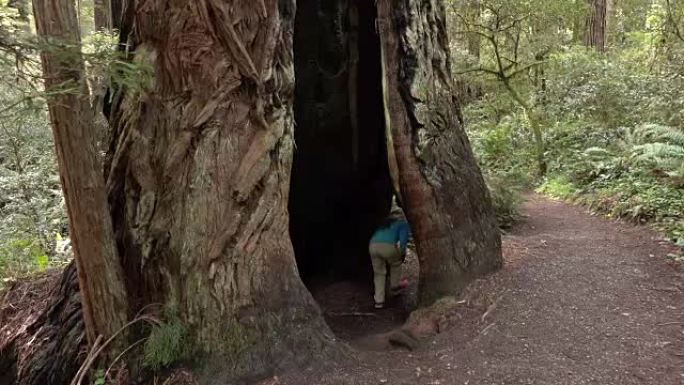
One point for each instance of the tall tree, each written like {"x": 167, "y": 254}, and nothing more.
{"x": 199, "y": 180}
{"x": 473, "y": 10}
{"x": 596, "y": 25}
{"x": 437, "y": 170}
{"x": 198, "y": 172}
{"x": 103, "y": 15}
{"x": 100, "y": 274}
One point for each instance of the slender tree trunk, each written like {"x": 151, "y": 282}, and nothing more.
{"x": 103, "y": 15}
{"x": 447, "y": 202}
{"x": 22, "y": 24}
{"x": 579, "y": 21}
{"x": 99, "y": 271}
{"x": 473, "y": 10}
{"x": 199, "y": 183}
{"x": 596, "y": 25}
{"x": 465, "y": 89}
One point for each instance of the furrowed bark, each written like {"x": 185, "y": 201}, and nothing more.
{"x": 447, "y": 202}
{"x": 199, "y": 181}
{"x": 596, "y": 25}
{"x": 100, "y": 275}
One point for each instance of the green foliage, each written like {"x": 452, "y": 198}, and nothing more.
{"x": 558, "y": 187}
{"x": 612, "y": 123}
{"x": 32, "y": 217}
{"x": 167, "y": 343}
{"x": 505, "y": 191}
{"x": 99, "y": 377}
{"x": 33, "y": 223}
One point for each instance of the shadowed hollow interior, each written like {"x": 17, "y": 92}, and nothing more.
{"x": 341, "y": 187}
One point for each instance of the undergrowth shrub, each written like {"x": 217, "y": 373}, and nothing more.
{"x": 33, "y": 223}
{"x": 558, "y": 187}
{"x": 505, "y": 191}
{"x": 167, "y": 343}
{"x": 614, "y": 133}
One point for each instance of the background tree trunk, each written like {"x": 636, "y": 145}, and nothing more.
{"x": 447, "y": 202}
{"x": 199, "y": 181}
{"x": 22, "y": 8}
{"x": 100, "y": 275}
{"x": 596, "y": 26}
{"x": 474, "y": 40}
{"x": 103, "y": 15}
{"x": 464, "y": 16}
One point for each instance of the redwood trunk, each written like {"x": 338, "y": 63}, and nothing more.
{"x": 100, "y": 275}
{"x": 596, "y": 26}
{"x": 199, "y": 172}
{"x": 199, "y": 179}
{"x": 444, "y": 193}
{"x": 103, "y": 15}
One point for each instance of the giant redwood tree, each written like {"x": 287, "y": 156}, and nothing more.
{"x": 265, "y": 120}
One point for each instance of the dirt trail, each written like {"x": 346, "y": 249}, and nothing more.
{"x": 581, "y": 300}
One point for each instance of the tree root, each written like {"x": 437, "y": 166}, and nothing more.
{"x": 42, "y": 334}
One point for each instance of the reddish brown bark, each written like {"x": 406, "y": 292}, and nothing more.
{"x": 444, "y": 193}
{"x": 103, "y": 15}
{"x": 596, "y": 25}
{"x": 100, "y": 275}
{"x": 199, "y": 174}
{"x": 199, "y": 182}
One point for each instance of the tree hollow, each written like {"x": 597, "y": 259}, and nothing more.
{"x": 341, "y": 186}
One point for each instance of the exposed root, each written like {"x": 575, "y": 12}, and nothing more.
{"x": 42, "y": 333}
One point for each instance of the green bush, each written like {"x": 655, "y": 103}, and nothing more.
{"x": 33, "y": 219}
{"x": 614, "y": 133}
{"x": 505, "y": 190}
{"x": 167, "y": 343}
{"x": 558, "y": 187}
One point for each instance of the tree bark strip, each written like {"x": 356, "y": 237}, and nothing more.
{"x": 447, "y": 202}
{"x": 100, "y": 275}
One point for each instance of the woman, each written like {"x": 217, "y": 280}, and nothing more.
{"x": 388, "y": 248}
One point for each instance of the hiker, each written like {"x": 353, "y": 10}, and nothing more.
{"x": 388, "y": 248}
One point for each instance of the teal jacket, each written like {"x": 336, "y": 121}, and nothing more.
{"x": 398, "y": 231}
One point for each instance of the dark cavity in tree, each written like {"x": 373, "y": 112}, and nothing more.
{"x": 341, "y": 187}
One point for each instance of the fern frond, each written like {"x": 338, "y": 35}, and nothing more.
{"x": 659, "y": 150}
{"x": 660, "y": 133}
{"x": 598, "y": 152}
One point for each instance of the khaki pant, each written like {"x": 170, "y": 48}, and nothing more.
{"x": 382, "y": 255}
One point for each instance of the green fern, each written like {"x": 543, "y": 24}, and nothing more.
{"x": 653, "y": 147}
{"x": 166, "y": 344}
{"x": 664, "y": 152}
{"x": 662, "y": 133}
{"x": 658, "y": 151}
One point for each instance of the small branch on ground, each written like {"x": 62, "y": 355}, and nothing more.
{"x": 491, "y": 308}
{"x": 351, "y": 314}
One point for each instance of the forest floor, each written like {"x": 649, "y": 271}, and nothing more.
{"x": 580, "y": 300}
